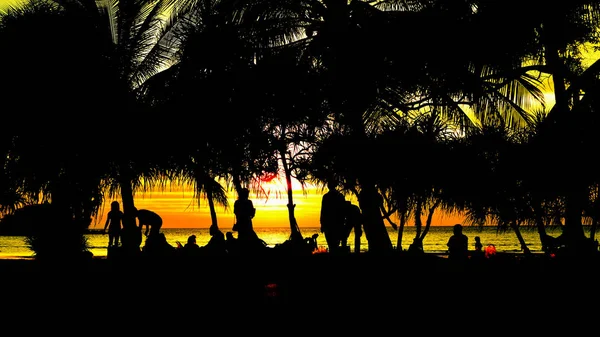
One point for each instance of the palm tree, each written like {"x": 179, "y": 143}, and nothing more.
{"x": 288, "y": 95}
{"x": 212, "y": 75}
{"x": 196, "y": 166}
{"x": 417, "y": 186}
{"x": 371, "y": 82}
{"x": 323, "y": 34}
{"x": 120, "y": 45}
{"x": 554, "y": 36}
{"x": 497, "y": 192}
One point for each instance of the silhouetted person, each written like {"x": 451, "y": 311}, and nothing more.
{"x": 158, "y": 246}
{"x": 231, "y": 243}
{"x": 353, "y": 222}
{"x": 244, "y": 211}
{"x": 478, "y": 252}
{"x": 458, "y": 244}
{"x": 333, "y": 217}
{"x": 150, "y": 219}
{"x": 216, "y": 244}
{"x": 190, "y": 248}
{"x": 114, "y": 220}
{"x": 191, "y": 243}
{"x": 478, "y": 244}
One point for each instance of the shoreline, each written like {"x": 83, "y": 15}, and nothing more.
{"x": 440, "y": 254}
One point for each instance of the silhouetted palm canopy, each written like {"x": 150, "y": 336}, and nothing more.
{"x": 338, "y": 73}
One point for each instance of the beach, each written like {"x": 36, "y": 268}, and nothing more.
{"x": 354, "y": 293}
{"x": 177, "y": 290}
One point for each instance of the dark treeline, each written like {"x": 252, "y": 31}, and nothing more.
{"x": 412, "y": 106}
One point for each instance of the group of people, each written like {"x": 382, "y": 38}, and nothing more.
{"x": 458, "y": 246}
{"x": 338, "y": 218}
{"x": 118, "y": 232}
{"x": 243, "y": 209}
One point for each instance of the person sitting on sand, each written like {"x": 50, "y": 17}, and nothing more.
{"x": 458, "y": 244}
{"x": 158, "y": 246}
{"x": 216, "y": 245}
{"x": 231, "y": 243}
{"x": 191, "y": 243}
{"x": 478, "y": 253}
{"x": 478, "y": 244}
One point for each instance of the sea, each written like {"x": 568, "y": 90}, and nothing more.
{"x": 434, "y": 242}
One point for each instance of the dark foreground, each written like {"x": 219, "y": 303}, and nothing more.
{"x": 393, "y": 288}
{"x": 317, "y": 294}
{"x": 288, "y": 295}
{"x": 273, "y": 279}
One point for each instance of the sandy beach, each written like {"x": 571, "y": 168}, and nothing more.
{"x": 295, "y": 272}
{"x": 518, "y": 291}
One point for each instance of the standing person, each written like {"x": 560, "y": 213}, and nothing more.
{"x": 150, "y": 219}
{"x": 113, "y": 223}
{"x": 333, "y": 216}
{"x": 458, "y": 244}
{"x": 244, "y": 211}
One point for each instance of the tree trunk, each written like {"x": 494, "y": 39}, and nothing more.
{"x": 545, "y": 239}
{"x": 131, "y": 237}
{"x": 294, "y": 229}
{"x": 357, "y": 235}
{"x": 370, "y": 202}
{"x": 211, "y": 207}
{"x": 429, "y": 219}
{"x": 403, "y": 219}
{"x": 522, "y": 242}
{"x": 595, "y": 214}
{"x": 575, "y": 202}
{"x": 418, "y": 221}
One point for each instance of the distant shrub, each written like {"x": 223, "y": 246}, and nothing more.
{"x": 51, "y": 232}
{"x": 58, "y": 244}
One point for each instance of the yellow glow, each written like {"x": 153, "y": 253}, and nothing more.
{"x": 179, "y": 210}
{"x": 5, "y": 4}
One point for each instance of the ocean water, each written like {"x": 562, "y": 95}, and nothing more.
{"x": 435, "y": 241}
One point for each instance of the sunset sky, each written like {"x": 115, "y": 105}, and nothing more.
{"x": 179, "y": 210}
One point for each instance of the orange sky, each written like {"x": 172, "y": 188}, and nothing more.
{"x": 179, "y": 210}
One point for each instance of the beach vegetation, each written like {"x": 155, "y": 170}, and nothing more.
{"x": 403, "y": 104}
